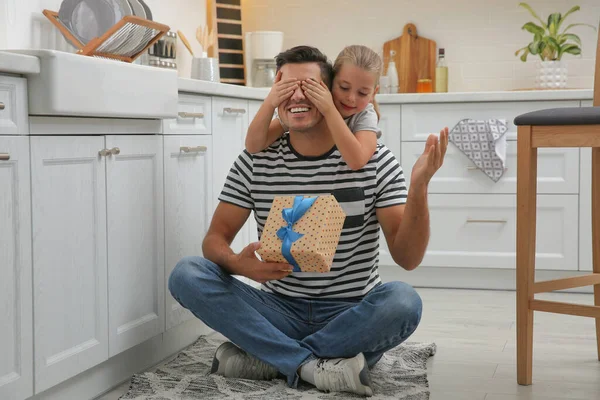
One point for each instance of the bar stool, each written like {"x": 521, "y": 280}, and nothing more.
{"x": 561, "y": 127}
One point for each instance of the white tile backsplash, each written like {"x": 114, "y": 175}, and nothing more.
{"x": 480, "y": 37}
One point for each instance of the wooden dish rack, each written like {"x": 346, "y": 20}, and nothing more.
{"x": 110, "y": 45}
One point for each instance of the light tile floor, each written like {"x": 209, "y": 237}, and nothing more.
{"x": 475, "y": 334}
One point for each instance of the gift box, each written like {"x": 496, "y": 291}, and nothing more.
{"x": 303, "y": 231}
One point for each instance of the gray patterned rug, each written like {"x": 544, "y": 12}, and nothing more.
{"x": 400, "y": 374}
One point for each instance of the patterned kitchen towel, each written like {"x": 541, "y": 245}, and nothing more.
{"x": 484, "y": 142}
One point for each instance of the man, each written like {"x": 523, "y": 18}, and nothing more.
{"x": 327, "y": 329}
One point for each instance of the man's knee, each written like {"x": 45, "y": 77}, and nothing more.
{"x": 403, "y": 304}
{"x": 180, "y": 274}
{"x": 186, "y": 271}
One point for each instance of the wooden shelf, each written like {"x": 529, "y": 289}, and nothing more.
{"x": 229, "y": 48}
{"x": 230, "y": 6}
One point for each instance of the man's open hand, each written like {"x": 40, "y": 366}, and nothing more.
{"x": 251, "y": 267}
{"x": 431, "y": 160}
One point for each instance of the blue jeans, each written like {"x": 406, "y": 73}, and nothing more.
{"x": 287, "y": 332}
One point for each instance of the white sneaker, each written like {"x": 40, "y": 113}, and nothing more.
{"x": 344, "y": 375}
{"x": 233, "y": 362}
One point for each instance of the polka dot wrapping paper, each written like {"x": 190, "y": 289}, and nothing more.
{"x": 320, "y": 227}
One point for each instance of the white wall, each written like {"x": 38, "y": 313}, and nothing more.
{"x": 22, "y": 25}
{"x": 480, "y": 36}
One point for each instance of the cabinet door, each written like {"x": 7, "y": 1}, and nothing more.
{"x": 69, "y": 257}
{"x": 13, "y": 106}
{"x": 188, "y": 199}
{"x": 16, "y": 330}
{"x": 230, "y": 124}
{"x": 135, "y": 240}
{"x": 389, "y": 123}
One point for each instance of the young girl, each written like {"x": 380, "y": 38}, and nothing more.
{"x": 350, "y": 110}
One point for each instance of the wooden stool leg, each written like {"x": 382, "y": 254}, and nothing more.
{"x": 526, "y": 235}
{"x": 596, "y": 231}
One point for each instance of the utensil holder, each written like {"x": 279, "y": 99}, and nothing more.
{"x": 205, "y": 69}
{"x": 112, "y": 44}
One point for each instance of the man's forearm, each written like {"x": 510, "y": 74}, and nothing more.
{"x": 217, "y": 250}
{"x": 412, "y": 236}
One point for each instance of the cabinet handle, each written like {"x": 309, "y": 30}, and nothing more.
{"x": 191, "y": 115}
{"x": 104, "y": 153}
{"x": 234, "y": 110}
{"x": 486, "y": 221}
{"x": 1, "y": 106}
{"x": 197, "y": 149}
{"x": 115, "y": 151}
{"x": 4, "y": 156}
{"x": 472, "y": 168}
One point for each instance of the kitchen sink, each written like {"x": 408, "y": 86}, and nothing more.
{"x": 75, "y": 85}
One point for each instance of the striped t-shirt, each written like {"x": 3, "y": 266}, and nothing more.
{"x": 255, "y": 179}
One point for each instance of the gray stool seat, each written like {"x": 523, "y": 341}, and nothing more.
{"x": 561, "y": 116}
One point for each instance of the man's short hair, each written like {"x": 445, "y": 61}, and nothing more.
{"x": 307, "y": 54}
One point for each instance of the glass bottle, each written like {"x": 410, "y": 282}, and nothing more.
{"x": 392, "y": 72}
{"x": 441, "y": 73}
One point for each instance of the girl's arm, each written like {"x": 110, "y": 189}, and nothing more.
{"x": 263, "y": 130}
{"x": 356, "y": 148}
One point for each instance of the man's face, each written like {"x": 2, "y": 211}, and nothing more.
{"x": 297, "y": 112}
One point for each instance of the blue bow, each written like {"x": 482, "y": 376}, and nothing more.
{"x": 286, "y": 234}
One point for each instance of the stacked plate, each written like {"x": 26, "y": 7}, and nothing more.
{"x": 89, "y": 19}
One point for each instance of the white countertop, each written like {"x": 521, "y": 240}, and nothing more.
{"x": 18, "y": 63}
{"x": 466, "y": 97}
{"x": 29, "y": 65}
{"x": 221, "y": 89}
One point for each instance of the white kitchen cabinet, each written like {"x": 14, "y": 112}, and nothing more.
{"x": 420, "y": 120}
{"x": 390, "y": 125}
{"x": 13, "y": 106}
{"x": 16, "y": 330}
{"x": 230, "y": 125}
{"x": 194, "y": 116}
{"x": 479, "y": 231}
{"x": 188, "y": 206}
{"x": 585, "y": 207}
{"x": 69, "y": 257}
{"x": 135, "y": 231}
{"x": 558, "y": 171}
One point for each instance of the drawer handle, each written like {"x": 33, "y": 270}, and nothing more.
{"x": 486, "y": 221}
{"x": 234, "y": 110}
{"x": 472, "y": 168}
{"x": 115, "y": 151}
{"x": 2, "y": 106}
{"x": 191, "y": 115}
{"x": 197, "y": 149}
{"x": 4, "y": 156}
{"x": 104, "y": 153}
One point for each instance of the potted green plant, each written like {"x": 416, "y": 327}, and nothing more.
{"x": 551, "y": 44}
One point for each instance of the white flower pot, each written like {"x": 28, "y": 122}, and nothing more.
{"x": 551, "y": 75}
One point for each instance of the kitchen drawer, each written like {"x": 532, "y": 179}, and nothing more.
{"x": 194, "y": 116}
{"x": 13, "y": 106}
{"x": 420, "y": 120}
{"x": 558, "y": 171}
{"x": 479, "y": 231}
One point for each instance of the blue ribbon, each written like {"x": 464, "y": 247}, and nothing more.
{"x": 286, "y": 233}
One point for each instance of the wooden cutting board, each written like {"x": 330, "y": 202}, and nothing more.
{"x": 415, "y": 58}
